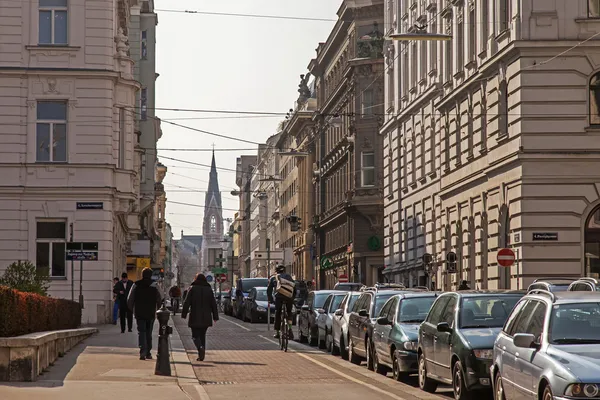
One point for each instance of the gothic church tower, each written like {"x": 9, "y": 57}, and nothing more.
{"x": 212, "y": 229}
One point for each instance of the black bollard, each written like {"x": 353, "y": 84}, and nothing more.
{"x": 163, "y": 358}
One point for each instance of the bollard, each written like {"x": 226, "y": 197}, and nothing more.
{"x": 163, "y": 358}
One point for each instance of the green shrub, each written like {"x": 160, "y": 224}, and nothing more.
{"x": 25, "y": 277}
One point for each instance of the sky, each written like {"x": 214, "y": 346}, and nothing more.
{"x": 214, "y": 62}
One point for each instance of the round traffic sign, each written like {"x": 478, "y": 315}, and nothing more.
{"x": 343, "y": 278}
{"x": 451, "y": 257}
{"x": 209, "y": 278}
{"x": 505, "y": 257}
{"x": 222, "y": 278}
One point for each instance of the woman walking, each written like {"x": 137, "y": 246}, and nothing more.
{"x": 201, "y": 299}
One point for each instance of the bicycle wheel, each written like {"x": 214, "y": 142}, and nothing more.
{"x": 284, "y": 331}
{"x": 281, "y": 333}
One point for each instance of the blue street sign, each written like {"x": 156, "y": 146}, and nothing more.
{"x": 209, "y": 278}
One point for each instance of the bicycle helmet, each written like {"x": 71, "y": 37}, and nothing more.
{"x": 280, "y": 269}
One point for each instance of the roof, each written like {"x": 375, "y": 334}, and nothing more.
{"x": 482, "y": 293}
{"x": 573, "y": 297}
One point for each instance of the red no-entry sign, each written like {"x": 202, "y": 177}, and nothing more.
{"x": 506, "y": 257}
{"x": 343, "y": 278}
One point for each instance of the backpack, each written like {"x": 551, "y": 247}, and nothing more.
{"x": 284, "y": 287}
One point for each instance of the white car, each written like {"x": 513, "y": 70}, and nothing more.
{"x": 325, "y": 320}
{"x": 340, "y": 325}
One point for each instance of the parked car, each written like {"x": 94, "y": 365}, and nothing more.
{"x": 243, "y": 287}
{"x": 551, "y": 284}
{"x": 256, "y": 305}
{"x": 585, "y": 285}
{"x": 227, "y": 302}
{"x": 307, "y": 319}
{"x": 340, "y": 325}
{"x": 348, "y": 286}
{"x": 457, "y": 338}
{"x": 396, "y": 333}
{"x": 325, "y": 320}
{"x": 361, "y": 322}
{"x": 548, "y": 348}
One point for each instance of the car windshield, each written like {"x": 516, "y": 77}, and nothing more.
{"x": 320, "y": 299}
{"x": 261, "y": 295}
{"x": 486, "y": 311}
{"x": 380, "y": 300}
{"x": 559, "y": 288}
{"x": 415, "y": 309}
{"x": 575, "y": 323}
{"x": 335, "y": 303}
{"x": 352, "y": 301}
{"x": 249, "y": 284}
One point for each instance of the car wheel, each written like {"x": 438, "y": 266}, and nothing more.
{"x": 252, "y": 317}
{"x": 425, "y": 383}
{"x": 328, "y": 342}
{"x": 335, "y": 350}
{"x": 311, "y": 339}
{"x": 369, "y": 348}
{"x": 301, "y": 337}
{"x": 396, "y": 372}
{"x": 322, "y": 343}
{"x": 499, "y": 388}
{"x": 352, "y": 356}
{"x": 380, "y": 369}
{"x": 548, "y": 393}
{"x": 458, "y": 383}
{"x": 343, "y": 350}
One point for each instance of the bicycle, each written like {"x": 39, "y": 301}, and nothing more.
{"x": 283, "y": 334}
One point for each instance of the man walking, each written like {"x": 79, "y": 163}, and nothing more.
{"x": 116, "y": 301}
{"x": 144, "y": 299}
{"x": 122, "y": 289}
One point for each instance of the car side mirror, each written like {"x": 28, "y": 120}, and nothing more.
{"x": 444, "y": 327}
{"x": 383, "y": 321}
{"x": 305, "y": 307}
{"x": 524, "y": 340}
{"x": 363, "y": 313}
{"x": 339, "y": 312}
{"x": 321, "y": 311}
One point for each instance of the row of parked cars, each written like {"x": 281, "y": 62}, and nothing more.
{"x": 543, "y": 343}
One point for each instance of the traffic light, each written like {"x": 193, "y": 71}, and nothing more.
{"x": 294, "y": 223}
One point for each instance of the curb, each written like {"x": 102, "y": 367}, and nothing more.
{"x": 184, "y": 371}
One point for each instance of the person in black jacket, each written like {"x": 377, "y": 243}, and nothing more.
{"x": 201, "y": 299}
{"x": 121, "y": 289}
{"x": 144, "y": 299}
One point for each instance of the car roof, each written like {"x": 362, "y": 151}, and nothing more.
{"x": 419, "y": 294}
{"x": 570, "y": 297}
{"x": 328, "y": 291}
{"x": 487, "y": 293}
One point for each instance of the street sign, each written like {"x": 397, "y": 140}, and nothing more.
{"x": 427, "y": 258}
{"x": 506, "y": 257}
{"x": 82, "y": 251}
{"x": 276, "y": 255}
{"x": 221, "y": 278}
{"x": 326, "y": 262}
{"x": 209, "y": 278}
{"x": 343, "y": 278}
{"x": 217, "y": 271}
{"x": 451, "y": 257}
{"x": 96, "y": 205}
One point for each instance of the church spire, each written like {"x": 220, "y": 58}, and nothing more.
{"x": 213, "y": 191}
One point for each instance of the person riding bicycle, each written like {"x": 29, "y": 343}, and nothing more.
{"x": 284, "y": 286}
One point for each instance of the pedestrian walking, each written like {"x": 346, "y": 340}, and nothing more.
{"x": 464, "y": 286}
{"x": 144, "y": 299}
{"x": 122, "y": 289}
{"x": 115, "y": 301}
{"x": 175, "y": 295}
{"x": 201, "y": 299}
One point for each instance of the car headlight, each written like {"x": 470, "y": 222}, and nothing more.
{"x": 261, "y": 309}
{"x": 487, "y": 354}
{"x": 411, "y": 346}
{"x": 581, "y": 390}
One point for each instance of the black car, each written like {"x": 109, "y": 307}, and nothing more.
{"x": 256, "y": 305}
{"x": 243, "y": 287}
{"x": 309, "y": 312}
{"x": 362, "y": 320}
{"x": 228, "y": 302}
{"x": 456, "y": 340}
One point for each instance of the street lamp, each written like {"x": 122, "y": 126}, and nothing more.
{"x": 294, "y": 153}
{"x": 419, "y": 33}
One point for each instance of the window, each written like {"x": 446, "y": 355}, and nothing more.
{"x": 53, "y": 22}
{"x": 327, "y": 303}
{"x": 514, "y": 316}
{"x": 503, "y": 11}
{"x": 144, "y": 104}
{"x": 435, "y": 314}
{"x": 143, "y": 168}
{"x": 595, "y": 99}
{"x": 472, "y": 35}
{"x": 449, "y": 311}
{"x": 368, "y": 169}
{"x": 385, "y": 311}
{"x": 594, "y": 8}
{"x": 415, "y": 309}
{"x": 51, "y": 131}
{"x": 503, "y": 108}
{"x": 488, "y": 312}
{"x": 367, "y": 102}
{"x": 144, "y": 45}
{"x": 50, "y": 247}
{"x": 213, "y": 224}
{"x": 121, "y": 138}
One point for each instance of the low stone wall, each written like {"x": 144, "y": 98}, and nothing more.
{"x": 23, "y": 358}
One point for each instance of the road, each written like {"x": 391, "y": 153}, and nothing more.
{"x": 243, "y": 361}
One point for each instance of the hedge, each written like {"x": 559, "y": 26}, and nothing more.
{"x": 22, "y": 313}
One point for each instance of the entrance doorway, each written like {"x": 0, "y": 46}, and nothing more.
{"x": 592, "y": 245}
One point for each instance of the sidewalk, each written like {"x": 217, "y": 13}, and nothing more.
{"x": 106, "y": 367}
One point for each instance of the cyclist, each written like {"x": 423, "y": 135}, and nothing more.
{"x": 284, "y": 286}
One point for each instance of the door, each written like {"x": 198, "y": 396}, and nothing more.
{"x": 249, "y": 303}
{"x": 322, "y": 318}
{"x": 506, "y": 348}
{"x": 362, "y": 322}
{"x": 354, "y": 319}
{"x": 442, "y": 341}
{"x": 385, "y": 331}
{"x": 337, "y": 321}
{"x": 429, "y": 329}
{"x": 526, "y": 369}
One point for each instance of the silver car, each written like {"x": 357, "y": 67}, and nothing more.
{"x": 339, "y": 326}
{"x": 549, "y": 348}
{"x": 325, "y": 320}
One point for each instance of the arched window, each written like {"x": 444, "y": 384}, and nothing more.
{"x": 213, "y": 224}
{"x": 595, "y": 99}
{"x": 592, "y": 245}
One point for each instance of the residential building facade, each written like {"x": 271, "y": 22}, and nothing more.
{"x": 243, "y": 179}
{"x": 490, "y": 142}
{"x": 349, "y": 197}
{"x": 67, "y": 142}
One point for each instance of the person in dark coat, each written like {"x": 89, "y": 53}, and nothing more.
{"x": 122, "y": 289}
{"x": 144, "y": 299}
{"x": 464, "y": 286}
{"x": 201, "y": 299}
